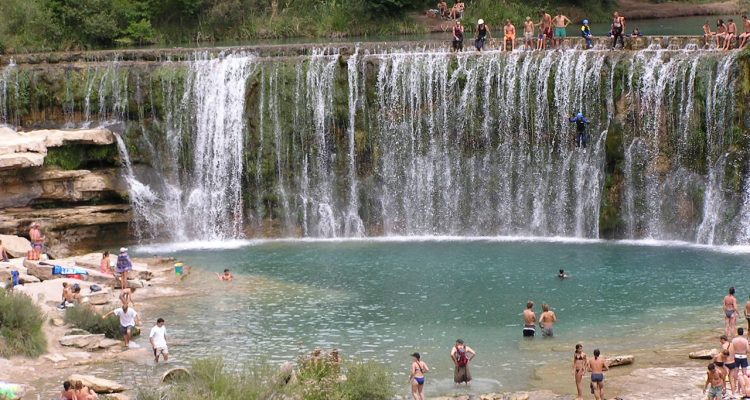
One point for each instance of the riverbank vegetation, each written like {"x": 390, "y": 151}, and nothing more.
{"x": 47, "y": 25}
{"x": 89, "y": 320}
{"x": 21, "y": 322}
{"x": 312, "y": 380}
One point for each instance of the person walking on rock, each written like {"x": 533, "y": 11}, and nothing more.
{"x": 461, "y": 354}
{"x": 124, "y": 266}
{"x": 128, "y": 321}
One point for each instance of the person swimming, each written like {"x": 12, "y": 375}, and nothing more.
{"x": 562, "y": 274}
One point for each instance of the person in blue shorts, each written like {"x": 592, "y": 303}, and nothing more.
{"x": 416, "y": 377}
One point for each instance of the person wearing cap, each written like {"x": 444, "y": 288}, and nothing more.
{"x": 416, "y": 376}
{"x": 124, "y": 265}
{"x": 581, "y": 123}
{"x": 461, "y": 354}
{"x": 482, "y": 33}
{"x": 528, "y": 33}
{"x": 37, "y": 241}
{"x": 586, "y": 33}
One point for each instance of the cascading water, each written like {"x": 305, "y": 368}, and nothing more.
{"x": 433, "y": 143}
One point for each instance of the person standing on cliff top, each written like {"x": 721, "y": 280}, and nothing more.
{"x": 123, "y": 267}
{"x": 37, "y": 241}
{"x": 528, "y": 33}
{"x": 529, "y": 320}
{"x": 618, "y": 28}
{"x": 482, "y": 34}
{"x": 745, "y": 35}
{"x": 545, "y": 24}
{"x": 730, "y": 313}
{"x": 458, "y": 37}
{"x": 561, "y": 23}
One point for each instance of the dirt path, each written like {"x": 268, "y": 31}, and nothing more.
{"x": 640, "y": 9}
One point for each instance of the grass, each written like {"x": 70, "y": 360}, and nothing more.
{"x": 320, "y": 380}
{"x": 20, "y": 326}
{"x": 91, "y": 321}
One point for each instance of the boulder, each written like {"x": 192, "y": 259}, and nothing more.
{"x": 107, "y": 343}
{"x": 43, "y": 272}
{"x": 704, "y": 354}
{"x": 98, "y": 385}
{"x": 100, "y": 298}
{"x": 81, "y": 341}
{"x": 175, "y": 374}
{"x": 21, "y": 160}
{"x": 58, "y": 322}
{"x": 57, "y": 138}
{"x": 16, "y": 246}
{"x": 617, "y": 361}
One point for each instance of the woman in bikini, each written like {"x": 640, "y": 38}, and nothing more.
{"x": 579, "y": 369}
{"x": 416, "y": 378}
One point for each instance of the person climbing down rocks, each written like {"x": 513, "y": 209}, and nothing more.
{"x": 581, "y": 137}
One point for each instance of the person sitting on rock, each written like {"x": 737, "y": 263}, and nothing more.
{"x": 83, "y": 392}
{"x": 68, "y": 393}
{"x": 3, "y": 254}
{"x": 67, "y": 296}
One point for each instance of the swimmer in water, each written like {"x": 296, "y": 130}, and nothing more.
{"x": 227, "y": 276}
{"x": 562, "y": 275}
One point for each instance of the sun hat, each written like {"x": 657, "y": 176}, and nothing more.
{"x": 585, "y": 22}
{"x": 480, "y": 22}
{"x": 123, "y": 249}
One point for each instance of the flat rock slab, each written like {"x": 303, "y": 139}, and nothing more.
{"x": 704, "y": 354}
{"x": 81, "y": 341}
{"x": 107, "y": 343}
{"x": 617, "y": 361}
{"x": 98, "y": 385}
{"x": 56, "y": 358}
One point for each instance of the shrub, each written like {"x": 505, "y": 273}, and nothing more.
{"x": 20, "y": 326}
{"x": 366, "y": 381}
{"x": 89, "y": 320}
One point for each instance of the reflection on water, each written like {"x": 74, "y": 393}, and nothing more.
{"x": 382, "y": 301}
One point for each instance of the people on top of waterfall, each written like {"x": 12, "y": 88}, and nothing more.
{"x": 731, "y": 33}
{"x": 636, "y": 32}
{"x": 528, "y": 33}
{"x": 461, "y": 354}
{"x": 123, "y": 267}
{"x": 561, "y": 24}
{"x": 586, "y": 33}
{"x": 509, "y": 36}
{"x": 529, "y": 320}
{"x": 547, "y": 320}
{"x": 545, "y": 30}
{"x": 458, "y": 36}
{"x": 416, "y": 376}
{"x": 581, "y": 124}
{"x": 226, "y": 276}
{"x": 744, "y": 35}
{"x": 442, "y": 7}
{"x": 457, "y": 12}
{"x": 707, "y": 33}
{"x": 730, "y": 312}
{"x": 721, "y": 34}
{"x": 37, "y": 242}
{"x": 481, "y": 34}
{"x": 617, "y": 29}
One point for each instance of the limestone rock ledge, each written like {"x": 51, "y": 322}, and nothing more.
{"x": 69, "y": 181}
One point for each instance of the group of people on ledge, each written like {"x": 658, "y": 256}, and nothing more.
{"x": 552, "y": 33}
{"x": 726, "y": 36}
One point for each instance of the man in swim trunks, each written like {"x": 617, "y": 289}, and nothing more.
{"x": 730, "y": 313}
{"x": 740, "y": 346}
{"x": 529, "y": 320}
{"x": 731, "y": 32}
{"x": 597, "y": 366}
{"x": 547, "y": 321}
{"x": 545, "y": 24}
{"x": 745, "y": 35}
{"x": 713, "y": 377}
{"x": 528, "y": 33}
{"x": 510, "y": 36}
{"x": 561, "y": 22}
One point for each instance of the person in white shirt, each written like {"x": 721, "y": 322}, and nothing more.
{"x": 128, "y": 320}
{"x": 158, "y": 339}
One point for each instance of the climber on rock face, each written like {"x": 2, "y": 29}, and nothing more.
{"x": 581, "y": 123}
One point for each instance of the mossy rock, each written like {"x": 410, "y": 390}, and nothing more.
{"x": 78, "y": 156}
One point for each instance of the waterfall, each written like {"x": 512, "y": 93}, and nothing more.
{"x": 144, "y": 202}
{"x": 434, "y": 143}
{"x": 218, "y": 105}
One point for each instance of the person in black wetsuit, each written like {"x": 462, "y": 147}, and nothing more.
{"x": 581, "y": 123}
{"x": 482, "y": 33}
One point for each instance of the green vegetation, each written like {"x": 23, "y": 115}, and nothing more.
{"x": 320, "y": 379}
{"x": 20, "y": 326}
{"x": 91, "y": 321}
{"x": 71, "y": 157}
